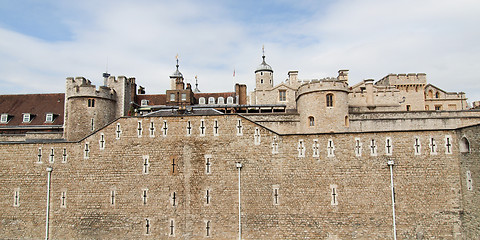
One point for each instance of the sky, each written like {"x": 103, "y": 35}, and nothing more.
{"x": 44, "y": 42}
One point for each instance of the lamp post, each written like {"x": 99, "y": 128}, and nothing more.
{"x": 239, "y": 167}
{"x": 390, "y": 163}
{"x": 49, "y": 174}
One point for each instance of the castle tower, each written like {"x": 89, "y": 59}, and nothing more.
{"x": 88, "y": 109}
{"x": 176, "y": 79}
{"x": 263, "y": 76}
{"x": 323, "y": 106}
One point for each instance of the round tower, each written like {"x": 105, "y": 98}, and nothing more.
{"x": 264, "y": 76}
{"x": 176, "y": 79}
{"x": 86, "y": 108}
{"x": 323, "y": 106}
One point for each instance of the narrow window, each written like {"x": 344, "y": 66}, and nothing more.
{"x": 211, "y": 100}
{"x": 215, "y": 127}
{"x": 437, "y": 95}
{"x": 408, "y": 108}
{"x": 207, "y": 228}
{"x": 448, "y": 144}
{"x": 358, "y": 147}
{"x": 63, "y": 199}
{"x": 239, "y": 127}
{"x": 87, "y": 151}
{"x": 51, "y": 157}
{"x": 172, "y": 97}
{"x": 118, "y": 132}
{"x": 184, "y": 97}
{"x": 438, "y": 107}
{"x": 64, "y": 155}
{"x": 202, "y": 127}
{"x": 464, "y": 145}
{"x": 152, "y": 129}
{"x": 276, "y": 194}
{"x": 39, "y": 155}
{"x": 146, "y": 164}
{"x": 256, "y": 136}
{"x": 274, "y": 145}
{"x": 373, "y": 148}
{"x": 16, "y": 197}
{"x": 147, "y": 226}
{"x": 229, "y": 100}
{"x": 330, "y": 148}
{"x": 329, "y": 100}
{"x": 334, "y": 194}
{"x": 92, "y": 124}
{"x": 189, "y": 128}
{"x": 139, "y": 129}
{"x": 102, "y": 141}
{"x": 311, "y": 121}
{"x": 173, "y": 165}
{"x": 347, "y": 122}
{"x": 207, "y": 197}
{"x": 433, "y": 146}
{"x": 165, "y": 128}
{"x": 469, "y": 181}
{"x": 417, "y": 146}
{"x": 112, "y": 197}
{"x": 315, "y": 148}
{"x": 91, "y": 102}
{"x": 144, "y": 196}
{"x": 261, "y": 80}
{"x": 173, "y": 199}
{"x": 172, "y": 228}
{"x": 388, "y": 146}
{"x": 282, "y": 95}
{"x": 208, "y": 164}
{"x": 301, "y": 148}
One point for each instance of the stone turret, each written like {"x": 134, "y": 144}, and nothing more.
{"x": 263, "y": 76}
{"x": 323, "y": 106}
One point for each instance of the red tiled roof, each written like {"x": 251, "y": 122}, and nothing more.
{"x": 38, "y": 105}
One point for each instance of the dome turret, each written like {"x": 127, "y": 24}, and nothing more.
{"x": 264, "y": 66}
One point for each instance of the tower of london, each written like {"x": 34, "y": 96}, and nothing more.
{"x": 330, "y": 158}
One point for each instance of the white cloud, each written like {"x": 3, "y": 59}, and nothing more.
{"x": 371, "y": 38}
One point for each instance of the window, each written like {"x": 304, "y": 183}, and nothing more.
{"x": 311, "y": 121}
{"x": 172, "y": 97}
{"x": 63, "y": 199}
{"x": 438, "y": 107}
{"x": 201, "y": 100}
{"x": 4, "y": 118}
{"x": 208, "y": 164}
{"x": 301, "y": 148}
{"x": 184, "y": 97}
{"x": 329, "y": 100}
{"x": 437, "y": 95}
{"x": 427, "y": 107}
{"x": 91, "y": 102}
{"x": 334, "y": 194}
{"x": 49, "y": 117}
{"x": 211, "y": 100}
{"x": 221, "y": 100}
{"x": 430, "y": 94}
{"x": 276, "y": 194}
{"x": 409, "y": 108}
{"x": 16, "y": 197}
{"x": 256, "y": 136}
{"x": 261, "y": 81}
{"x": 330, "y": 148}
{"x": 464, "y": 145}
{"x": 26, "y": 117}
{"x": 347, "y": 122}
{"x": 282, "y": 95}
{"x": 229, "y": 100}
{"x": 144, "y": 102}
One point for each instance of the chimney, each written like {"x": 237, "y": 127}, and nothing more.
{"x": 343, "y": 76}
{"x": 369, "y": 88}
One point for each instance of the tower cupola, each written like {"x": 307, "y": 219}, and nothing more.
{"x": 263, "y": 75}
{"x": 176, "y": 79}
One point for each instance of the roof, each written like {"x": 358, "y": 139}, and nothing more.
{"x": 161, "y": 99}
{"x": 190, "y": 112}
{"x": 264, "y": 66}
{"x": 38, "y": 105}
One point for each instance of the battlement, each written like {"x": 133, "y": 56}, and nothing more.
{"x": 402, "y": 79}
{"x": 82, "y": 87}
{"x": 326, "y": 84}
{"x": 111, "y": 81}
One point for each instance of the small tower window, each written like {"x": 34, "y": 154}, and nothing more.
{"x": 329, "y": 99}
{"x": 91, "y": 102}
{"x": 261, "y": 80}
{"x": 311, "y": 121}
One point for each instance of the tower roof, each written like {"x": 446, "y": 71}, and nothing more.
{"x": 264, "y": 66}
{"x": 176, "y": 74}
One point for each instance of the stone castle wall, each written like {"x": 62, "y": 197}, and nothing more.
{"x": 334, "y": 192}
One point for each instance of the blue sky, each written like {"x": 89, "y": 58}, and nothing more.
{"x": 43, "y": 42}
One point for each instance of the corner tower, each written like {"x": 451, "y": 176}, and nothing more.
{"x": 263, "y": 76}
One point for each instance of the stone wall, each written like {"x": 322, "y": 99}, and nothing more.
{"x": 334, "y": 192}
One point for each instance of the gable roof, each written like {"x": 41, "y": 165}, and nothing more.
{"x": 38, "y": 105}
